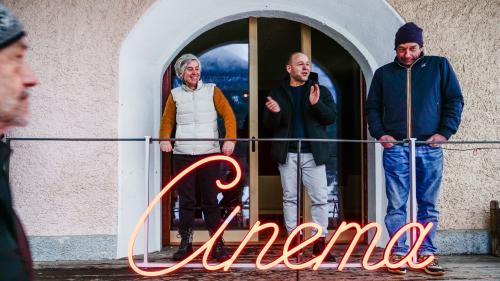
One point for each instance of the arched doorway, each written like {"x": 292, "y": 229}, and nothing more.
{"x": 225, "y": 57}
{"x": 162, "y": 33}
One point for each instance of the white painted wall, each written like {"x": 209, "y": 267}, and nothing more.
{"x": 163, "y": 31}
{"x": 365, "y": 28}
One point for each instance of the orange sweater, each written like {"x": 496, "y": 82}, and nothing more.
{"x": 221, "y": 105}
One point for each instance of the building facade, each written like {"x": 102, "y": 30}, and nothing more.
{"x": 102, "y": 67}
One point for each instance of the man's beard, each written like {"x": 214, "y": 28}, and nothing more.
{"x": 298, "y": 77}
{"x": 18, "y": 115}
{"x": 19, "y": 120}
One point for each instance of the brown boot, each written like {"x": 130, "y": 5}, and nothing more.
{"x": 433, "y": 268}
{"x": 395, "y": 259}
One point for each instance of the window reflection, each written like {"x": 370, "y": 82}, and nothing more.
{"x": 332, "y": 175}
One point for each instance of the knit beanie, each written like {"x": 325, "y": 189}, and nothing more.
{"x": 11, "y": 29}
{"x": 409, "y": 32}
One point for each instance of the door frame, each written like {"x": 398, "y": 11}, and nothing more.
{"x": 169, "y": 236}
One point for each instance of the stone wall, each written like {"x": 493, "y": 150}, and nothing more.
{"x": 468, "y": 34}
{"x": 67, "y": 192}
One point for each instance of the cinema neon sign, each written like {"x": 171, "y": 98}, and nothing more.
{"x": 313, "y": 263}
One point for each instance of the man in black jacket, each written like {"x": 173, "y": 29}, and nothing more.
{"x": 300, "y": 108}
{"x": 15, "y": 78}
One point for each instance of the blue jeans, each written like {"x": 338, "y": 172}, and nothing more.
{"x": 429, "y": 171}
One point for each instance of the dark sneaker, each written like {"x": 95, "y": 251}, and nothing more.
{"x": 433, "y": 268}
{"x": 396, "y": 259}
{"x": 293, "y": 244}
{"x": 220, "y": 251}
{"x": 318, "y": 248}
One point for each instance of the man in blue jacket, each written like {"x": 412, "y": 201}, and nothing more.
{"x": 436, "y": 106}
{"x": 15, "y": 78}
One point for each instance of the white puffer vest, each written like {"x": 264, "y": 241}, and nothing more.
{"x": 196, "y": 117}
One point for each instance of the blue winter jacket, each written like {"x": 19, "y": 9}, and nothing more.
{"x": 437, "y": 100}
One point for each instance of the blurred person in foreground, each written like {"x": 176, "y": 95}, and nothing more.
{"x": 16, "y": 78}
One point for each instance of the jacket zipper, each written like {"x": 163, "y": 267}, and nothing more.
{"x": 409, "y": 119}
{"x": 409, "y": 124}
{"x": 193, "y": 151}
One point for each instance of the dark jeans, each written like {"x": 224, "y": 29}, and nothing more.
{"x": 202, "y": 179}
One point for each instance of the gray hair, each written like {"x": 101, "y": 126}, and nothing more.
{"x": 181, "y": 63}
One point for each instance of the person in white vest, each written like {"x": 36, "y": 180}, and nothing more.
{"x": 193, "y": 109}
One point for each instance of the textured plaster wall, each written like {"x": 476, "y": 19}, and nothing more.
{"x": 468, "y": 33}
{"x": 71, "y": 188}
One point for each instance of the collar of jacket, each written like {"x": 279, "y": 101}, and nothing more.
{"x": 4, "y": 153}
{"x": 417, "y": 61}
{"x": 187, "y": 89}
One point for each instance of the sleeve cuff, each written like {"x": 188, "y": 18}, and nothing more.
{"x": 378, "y": 134}
{"x": 445, "y": 133}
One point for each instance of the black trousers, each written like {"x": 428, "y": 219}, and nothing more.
{"x": 203, "y": 179}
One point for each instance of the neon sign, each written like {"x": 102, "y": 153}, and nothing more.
{"x": 313, "y": 263}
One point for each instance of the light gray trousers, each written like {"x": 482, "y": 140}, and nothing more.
{"x": 314, "y": 179}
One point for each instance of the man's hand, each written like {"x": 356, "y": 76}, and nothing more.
{"x": 387, "y": 138}
{"x": 165, "y": 146}
{"x": 272, "y": 105}
{"x": 314, "y": 94}
{"x": 228, "y": 148}
{"x": 436, "y": 137}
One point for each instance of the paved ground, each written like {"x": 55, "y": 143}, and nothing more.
{"x": 457, "y": 267}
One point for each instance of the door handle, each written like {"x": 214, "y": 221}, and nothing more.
{"x": 253, "y": 144}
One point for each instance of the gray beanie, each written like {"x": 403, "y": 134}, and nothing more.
{"x": 181, "y": 63}
{"x": 11, "y": 29}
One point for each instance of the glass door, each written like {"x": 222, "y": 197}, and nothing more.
{"x": 224, "y": 55}
{"x": 247, "y": 59}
